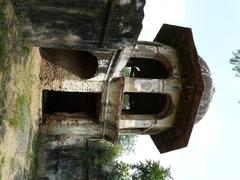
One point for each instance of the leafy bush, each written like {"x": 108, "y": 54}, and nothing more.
{"x": 101, "y": 153}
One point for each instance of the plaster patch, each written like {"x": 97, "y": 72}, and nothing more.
{"x": 139, "y": 4}
{"x": 72, "y": 39}
{"x": 81, "y": 86}
{"x": 127, "y": 29}
{"x": 124, "y": 2}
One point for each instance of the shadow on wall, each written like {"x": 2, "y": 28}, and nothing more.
{"x": 80, "y": 63}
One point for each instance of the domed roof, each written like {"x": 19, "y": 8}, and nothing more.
{"x": 208, "y": 90}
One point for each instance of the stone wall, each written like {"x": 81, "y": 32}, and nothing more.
{"x": 71, "y": 157}
{"x": 85, "y": 24}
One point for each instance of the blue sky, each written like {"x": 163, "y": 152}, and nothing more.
{"x": 213, "y": 150}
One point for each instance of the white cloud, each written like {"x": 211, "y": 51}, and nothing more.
{"x": 206, "y": 133}
{"x": 158, "y": 12}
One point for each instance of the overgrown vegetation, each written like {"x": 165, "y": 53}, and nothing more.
{"x": 16, "y": 80}
{"x": 101, "y": 153}
{"x": 105, "y": 154}
{"x": 40, "y": 139}
{"x": 19, "y": 112}
{"x": 14, "y": 54}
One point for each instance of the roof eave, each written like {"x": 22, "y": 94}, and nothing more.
{"x": 181, "y": 39}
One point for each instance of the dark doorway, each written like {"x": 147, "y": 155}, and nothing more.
{"x": 146, "y": 103}
{"x": 70, "y": 102}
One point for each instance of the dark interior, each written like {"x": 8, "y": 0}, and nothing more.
{"x": 70, "y": 102}
{"x": 148, "y": 68}
{"x": 145, "y": 103}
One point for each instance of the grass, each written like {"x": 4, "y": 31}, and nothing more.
{"x": 1, "y": 47}
{"x": 21, "y": 105}
{"x": 1, "y": 166}
{"x": 2, "y": 33}
{"x": 1, "y": 118}
{"x": 3, "y": 79}
{"x": 17, "y": 65}
{"x": 12, "y": 163}
{"x": 13, "y": 57}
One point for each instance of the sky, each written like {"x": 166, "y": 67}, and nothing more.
{"x": 214, "y": 147}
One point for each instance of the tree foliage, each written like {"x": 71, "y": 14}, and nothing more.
{"x": 120, "y": 171}
{"x": 127, "y": 143}
{"x": 102, "y": 155}
{"x": 235, "y": 60}
{"x": 149, "y": 170}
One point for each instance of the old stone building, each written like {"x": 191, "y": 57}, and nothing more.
{"x": 97, "y": 81}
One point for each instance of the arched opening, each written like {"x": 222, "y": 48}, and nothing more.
{"x": 146, "y": 103}
{"x": 147, "y": 68}
{"x": 81, "y": 63}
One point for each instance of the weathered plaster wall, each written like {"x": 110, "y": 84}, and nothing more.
{"x": 81, "y": 24}
{"x": 69, "y": 157}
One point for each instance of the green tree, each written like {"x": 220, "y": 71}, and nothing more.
{"x": 127, "y": 143}
{"x": 149, "y": 170}
{"x": 120, "y": 171}
{"x": 235, "y": 60}
{"x": 102, "y": 155}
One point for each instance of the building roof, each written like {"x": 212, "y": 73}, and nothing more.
{"x": 181, "y": 39}
{"x": 208, "y": 90}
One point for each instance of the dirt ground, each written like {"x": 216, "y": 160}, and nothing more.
{"x": 20, "y": 105}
